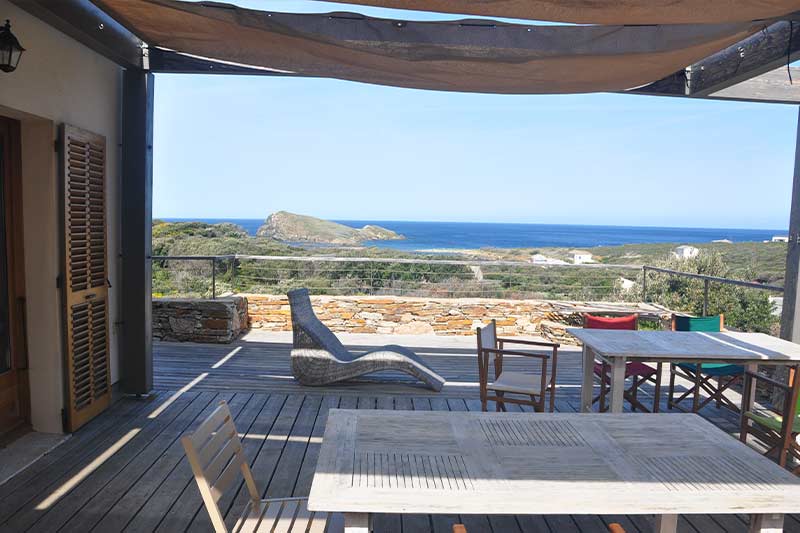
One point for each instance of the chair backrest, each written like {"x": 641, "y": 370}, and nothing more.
{"x": 709, "y": 324}
{"x": 487, "y": 338}
{"x": 627, "y": 322}
{"x": 308, "y": 331}
{"x": 217, "y": 460}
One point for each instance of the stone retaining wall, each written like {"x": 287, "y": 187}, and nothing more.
{"x": 185, "y": 319}
{"x": 441, "y": 316}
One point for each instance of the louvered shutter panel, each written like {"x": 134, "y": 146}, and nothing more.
{"x": 85, "y": 275}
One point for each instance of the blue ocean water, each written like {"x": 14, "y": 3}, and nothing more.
{"x": 448, "y": 235}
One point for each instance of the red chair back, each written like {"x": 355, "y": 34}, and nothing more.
{"x": 616, "y": 322}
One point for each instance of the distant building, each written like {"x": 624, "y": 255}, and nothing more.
{"x": 724, "y": 241}
{"x": 540, "y": 259}
{"x": 780, "y": 238}
{"x": 580, "y": 257}
{"x": 685, "y": 252}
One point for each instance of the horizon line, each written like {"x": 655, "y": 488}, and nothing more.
{"x": 201, "y": 219}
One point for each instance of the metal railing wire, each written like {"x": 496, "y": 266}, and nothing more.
{"x": 707, "y": 281}
{"x": 209, "y": 276}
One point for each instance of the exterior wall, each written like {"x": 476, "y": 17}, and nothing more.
{"x": 221, "y": 320}
{"x": 439, "y": 316}
{"x": 58, "y": 81}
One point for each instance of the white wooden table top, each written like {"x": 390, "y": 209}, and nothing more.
{"x": 541, "y": 463}
{"x": 689, "y": 345}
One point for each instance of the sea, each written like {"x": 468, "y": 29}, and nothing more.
{"x": 443, "y": 236}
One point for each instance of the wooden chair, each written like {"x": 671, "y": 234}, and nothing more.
{"x": 778, "y": 431}
{"x": 639, "y": 373}
{"x": 712, "y": 378}
{"x": 218, "y": 463}
{"x": 491, "y": 350}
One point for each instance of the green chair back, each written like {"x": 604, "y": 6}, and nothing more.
{"x": 698, "y": 323}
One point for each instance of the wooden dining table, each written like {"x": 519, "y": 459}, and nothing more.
{"x": 460, "y": 463}
{"x": 616, "y": 347}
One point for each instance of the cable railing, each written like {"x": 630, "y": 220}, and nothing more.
{"x": 210, "y": 276}
{"x": 707, "y": 281}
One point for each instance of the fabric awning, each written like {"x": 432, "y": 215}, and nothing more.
{"x": 467, "y": 56}
{"x": 603, "y": 11}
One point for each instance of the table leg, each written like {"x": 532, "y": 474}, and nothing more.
{"x": 748, "y": 396}
{"x": 665, "y": 523}
{"x": 357, "y": 523}
{"x": 587, "y": 387}
{"x": 617, "y": 383}
{"x": 766, "y": 523}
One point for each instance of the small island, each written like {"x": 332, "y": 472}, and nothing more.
{"x": 294, "y": 228}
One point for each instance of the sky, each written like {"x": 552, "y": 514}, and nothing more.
{"x": 244, "y": 147}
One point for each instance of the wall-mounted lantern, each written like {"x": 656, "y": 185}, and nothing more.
{"x": 10, "y": 49}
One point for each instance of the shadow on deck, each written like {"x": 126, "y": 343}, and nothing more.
{"x": 125, "y": 470}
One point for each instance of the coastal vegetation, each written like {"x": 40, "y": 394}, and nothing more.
{"x": 613, "y": 280}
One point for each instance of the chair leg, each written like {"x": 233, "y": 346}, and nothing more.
{"x": 657, "y": 392}
{"x": 696, "y": 393}
{"x": 498, "y": 403}
{"x": 484, "y": 405}
{"x": 634, "y": 390}
{"x": 718, "y": 395}
{"x": 671, "y": 393}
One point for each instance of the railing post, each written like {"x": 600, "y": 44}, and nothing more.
{"x": 644, "y": 284}
{"x": 705, "y": 297}
{"x": 213, "y": 278}
{"x": 233, "y": 274}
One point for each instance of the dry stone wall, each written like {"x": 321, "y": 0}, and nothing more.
{"x": 185, "y": 319}
{"x": 391, "y": 315}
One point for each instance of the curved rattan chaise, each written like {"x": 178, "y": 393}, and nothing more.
{"x": 319, "y": 358}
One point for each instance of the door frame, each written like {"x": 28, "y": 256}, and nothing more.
{"x": 10, "y": 133}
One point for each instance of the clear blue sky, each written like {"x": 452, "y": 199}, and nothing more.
{"x": 243, "y": 147}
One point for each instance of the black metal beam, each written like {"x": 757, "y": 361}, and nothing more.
{"x": 760, "y": 53}
{"x": 778, "y": 44}
{"x": 790, "y": 317}
{"x": 89, "y": 25}
{"x": 137, "y": 214}
{"x": 167, "y": 61}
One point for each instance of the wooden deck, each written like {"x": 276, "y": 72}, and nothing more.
{"x": 125, "y": 471}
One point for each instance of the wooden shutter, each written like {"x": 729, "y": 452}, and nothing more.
{"x": 85, "y": 279}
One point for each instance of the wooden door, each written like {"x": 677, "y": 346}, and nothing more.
{"x": 85, "y": 275}
{"x": 14, "y": 392}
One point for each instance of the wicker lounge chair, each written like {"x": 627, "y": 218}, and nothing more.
{"x": 319, "y": 358}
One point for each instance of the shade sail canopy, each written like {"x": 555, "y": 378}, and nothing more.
{"x": 467, "y": 56}
{"x": 603, "y": 11}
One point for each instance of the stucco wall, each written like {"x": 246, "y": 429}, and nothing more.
{"x": 58, "y": 81}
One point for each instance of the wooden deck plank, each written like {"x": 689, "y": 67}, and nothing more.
{"x": 285, "y": 476}
{"x": 140, "y": 494}
{"x": 61, "y": 510}
{"x": 147, "y": 484}
{"x": 68, "y": 458}
{"x": 164, "y": 448}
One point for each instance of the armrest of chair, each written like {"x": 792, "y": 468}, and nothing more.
{"x": 513, "y": 352}
{"x": 771, "y": 381}
{"x": 529, "y": 343}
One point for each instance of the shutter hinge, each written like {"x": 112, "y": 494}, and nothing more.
{"x": 58, "y": 281}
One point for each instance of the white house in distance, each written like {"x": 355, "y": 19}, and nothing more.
{"x": 580, "y": 257}
{"x": 685, "y": 252}
{"x": 780, "y": 238}
{"x": 541, "y": 259}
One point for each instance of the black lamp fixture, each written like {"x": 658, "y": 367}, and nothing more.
{"x": 10, "y": 49}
